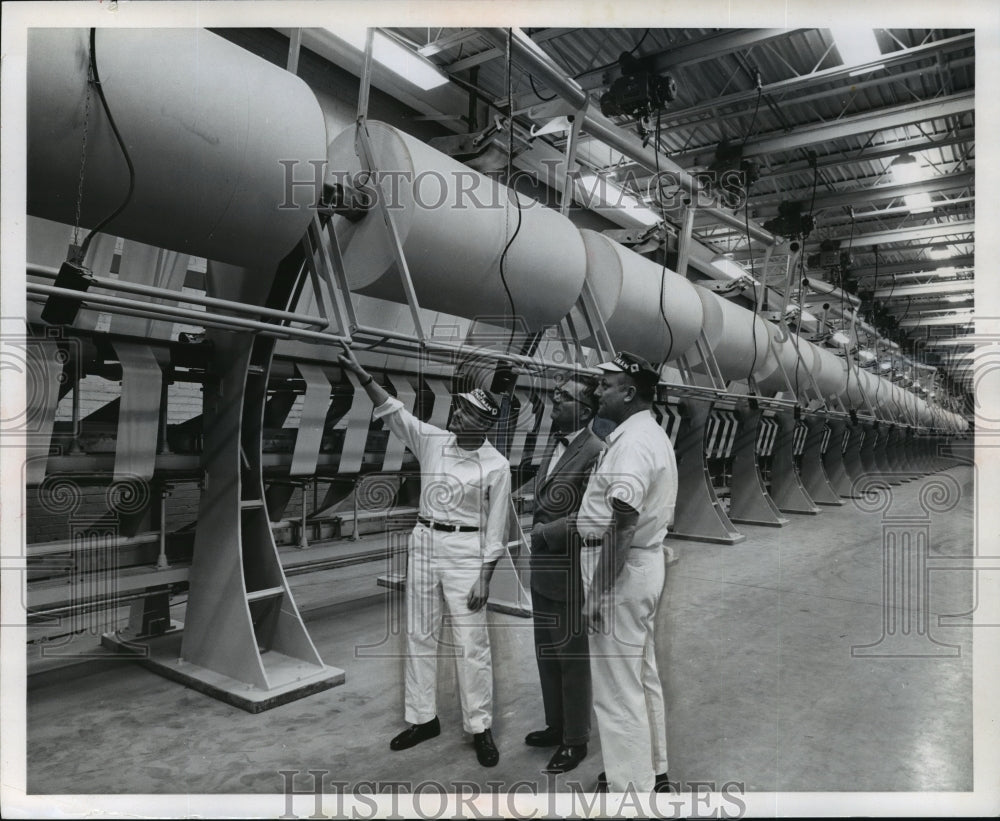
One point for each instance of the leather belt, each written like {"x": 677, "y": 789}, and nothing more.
{"x": 446, "y": 527}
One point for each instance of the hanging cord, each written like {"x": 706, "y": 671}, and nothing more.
{"x": 753, "y": 275}
{"x": 513, "y": 193}
{"x": 663, "y": 216}
{"x": 635, "y": 48}
{"x": 753, "y": 119}
{"x": 798, "y": 325}
{"x": 83, "y": 162}
{"x": 121, "y": 143}
{"x": 531, "y": 80}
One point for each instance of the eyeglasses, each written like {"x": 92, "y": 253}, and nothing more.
{"x": 559, "y": 395}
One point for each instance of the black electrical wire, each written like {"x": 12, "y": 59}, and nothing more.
{"x": 517, "y": 202}
{"x": 753, "y": 119}
{"x": 753, "y": 276}
{"x": 663, "y": 216}
{"x": 121, "y": 143}
{"x": 531, "y": 80}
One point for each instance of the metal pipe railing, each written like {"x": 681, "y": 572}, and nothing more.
{"x": 177, "y": 296}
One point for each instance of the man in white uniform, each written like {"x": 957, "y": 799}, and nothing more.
{"x": 459, "y": 537}
{"x": 623, "y": 519}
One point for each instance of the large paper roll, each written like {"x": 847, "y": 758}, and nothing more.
{"x": 796, "y": 357}
{"x": 648, "y": 310}
{"x": 830, "y": 372}
{"x": 454, "y": 224}
{"x": 736, "y": 335}
{"x": 207, "y": 125}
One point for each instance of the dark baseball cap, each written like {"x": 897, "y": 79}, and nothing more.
{"x": 635, "y": 366}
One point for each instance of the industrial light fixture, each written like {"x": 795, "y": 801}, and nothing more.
{"x": 940, "y": 253}
{"x": 857, "y": 46}
{"x": 397, "y": 58}
{"x": 906, "y": 169}
{"x": 601, "y": 191}
{"x": 958, "y": 297}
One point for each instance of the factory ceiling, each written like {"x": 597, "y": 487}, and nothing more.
{"x": 866, "y": 157}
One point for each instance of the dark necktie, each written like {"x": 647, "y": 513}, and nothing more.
{"x": 562, "y": 440}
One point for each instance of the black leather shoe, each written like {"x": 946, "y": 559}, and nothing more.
{"x": 549, "y": 737}
{"x": 416, "y": 734}
{"x": 486, "y": 750}
{"x": 602, "y": 782}
{"x": 663, "y": 784}
{"x": 566, "y": 758}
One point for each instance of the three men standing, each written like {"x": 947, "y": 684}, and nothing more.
{"x": 609, "y": 587}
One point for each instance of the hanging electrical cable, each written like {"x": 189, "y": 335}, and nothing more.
{"x": 512, "y": 193}
{"x": 663, "y": 216}
{"x": 757, "y": 297}
{"x": 531, "y": 80}
{"x": 121, "y": 143}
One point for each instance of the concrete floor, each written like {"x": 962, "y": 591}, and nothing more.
{"x": 755, "y": 649}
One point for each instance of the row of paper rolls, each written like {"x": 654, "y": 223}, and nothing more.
{"x": 211, "y": 151}
{"x": 455, "y": 226}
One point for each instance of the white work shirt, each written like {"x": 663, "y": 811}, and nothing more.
{"x": 638, "y": 468}
{"x": 560, "y": 449}
{"x": 457, "y": 486}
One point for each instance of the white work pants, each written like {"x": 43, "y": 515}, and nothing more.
{"x": 441, "y": 569}
{"x": 628, "y": 695}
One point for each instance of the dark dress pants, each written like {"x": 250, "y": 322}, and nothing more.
{"x": 561, "y": 648}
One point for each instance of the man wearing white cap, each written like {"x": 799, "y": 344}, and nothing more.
{"x": 623, "y": 519}
{"x": 459, "y": 537}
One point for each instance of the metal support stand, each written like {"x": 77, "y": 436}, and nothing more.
{"x": 853, "y": 465}
{"x": 74, "y": 442}
{"x": 244, "y": 641}
{"x": 163, "y": 444}
{"x": 867, "y": 455}
{"x": 786, "y": 487}
{"x": 161, "y": 560}
{"x": 834, "y": 460}
{"x": 814, "y": 477}
{"x": 699, "y": 516}
{"x": 750, "y": 503}
{"x": 303, "y": 523}
{"x": 880, "y": 455}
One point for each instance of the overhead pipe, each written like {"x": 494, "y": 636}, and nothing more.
{"x": 600, "y": 127}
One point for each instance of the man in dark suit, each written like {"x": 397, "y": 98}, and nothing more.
{"x": 556, "y": 588}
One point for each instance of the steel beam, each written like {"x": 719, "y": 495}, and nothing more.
{"x": 875, "y": 193}
{"x": 918, "y": 232}
{"x": 946, "y": 287}
{"x": 851, "y": 157}
{"x": 492, "y": 53}
{"x": 915, "y": 267}
{"x": 927, "y": 321}
{"x": 807, "y": 135}
{"x": 826, "y": 76}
